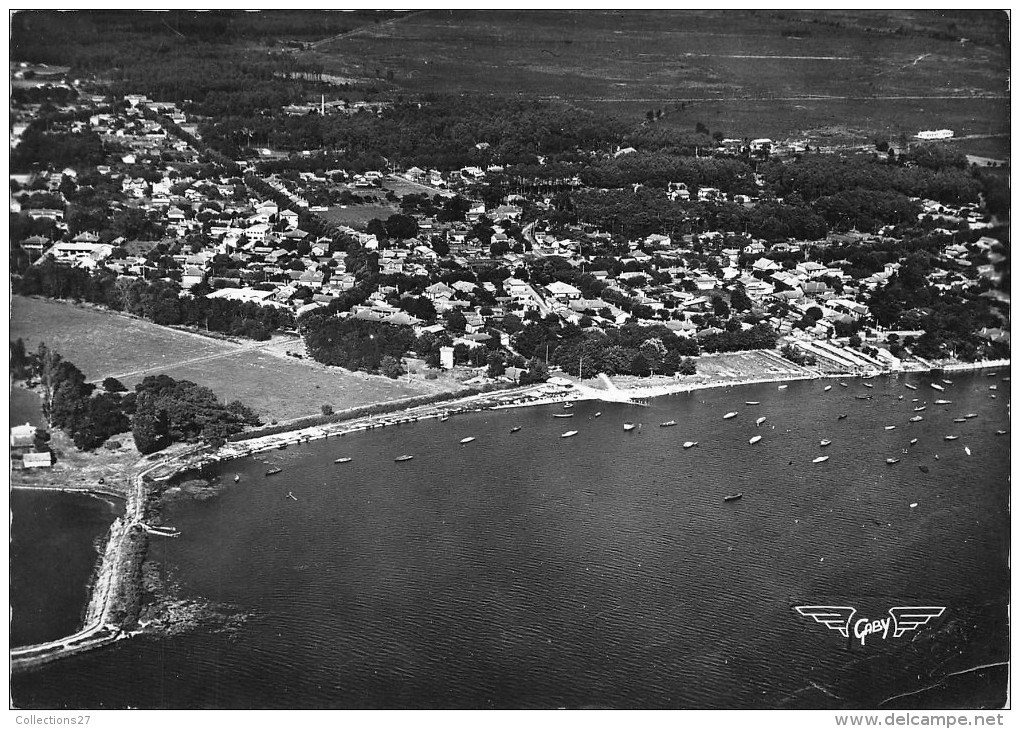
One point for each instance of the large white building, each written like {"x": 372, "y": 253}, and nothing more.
{"x": 936, "y": 134}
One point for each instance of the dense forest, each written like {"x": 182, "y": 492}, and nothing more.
{"x": 159, "y": 411}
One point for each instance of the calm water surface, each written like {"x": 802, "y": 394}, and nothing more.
{"x": 530, "y": 570}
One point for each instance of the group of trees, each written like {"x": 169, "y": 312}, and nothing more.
{"x": 159, "y": 412}
{"x": 356, "y": 344}
{"x": 158, "y": 301}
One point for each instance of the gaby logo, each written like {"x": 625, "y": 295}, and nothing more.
{"x": 841, "y": 619}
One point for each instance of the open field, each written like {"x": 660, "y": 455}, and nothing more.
{"x": 763, "y": 63}
{"x": 102, "y": 343}
{"x": 357, "y": 216}
{"x": 257, "y": 373}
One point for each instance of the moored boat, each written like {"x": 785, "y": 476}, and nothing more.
{"x": 841, "y": 416}
{"x": 966, "y": 450}
{"x": 398, "y": 459}
{"x": 569, "y": 434}
{"x": 729, "y": 415}
{"x": 959, "y": 420}
{"x": 465, "y": 441}
{"x": 667, "y": 424}
{"x": 936, "y": 386}
{"x": 1001, "y": 432}
{"x": 890, "y": 427}
{"x": 952, "y": 437}
{"x": 948, "y": 382}
{"x": 563, "y": 415}
{"x": 824, "y": 443}
{"x": 690, "y": 444}
{"x": 843, "y": 384}
{"x": 343, "y": 460}
{"x": 891, "y": 461}
{"x": 754, "y": 440}
{"x": 598, "y": 414}
{"x": 919, "y": 409}
{"x": 827, "y": 388}
{"x": 863, "y": 397}
{"x": 868, "y": 385}
{"x": 515, "y": 429}
{"x": 760, "y": 420}
{"x": 913, "y": 441}
{"x": 237, "y": 477}
{"x": 568, "y": 405}
{"x": 752, "y": 402}
{"x": 916, "y": 419}
{"x": 272, "y": 471}
{"x": 733, "y": 497}
{"x": 820, "y": 459}
{"x": 968, "y": 416}
{"x": 629, "y": 426}
{"x": 943, "y": 402}
{"x": 782, "y": 387}
{"x": 909, "y": 386}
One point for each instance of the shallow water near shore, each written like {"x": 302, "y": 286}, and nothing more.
{"x": 605, "y": 569}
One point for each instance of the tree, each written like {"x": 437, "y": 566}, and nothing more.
{"x": 390, "y": 366}
{"x": 112, "y": 384}
{"x": 456, "y": 321}
{"x": 327, "y": 410}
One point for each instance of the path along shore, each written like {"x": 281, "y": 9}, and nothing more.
{"x": 101, "y": 628}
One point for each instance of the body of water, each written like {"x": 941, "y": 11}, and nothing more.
{"x": 605, "y": 569}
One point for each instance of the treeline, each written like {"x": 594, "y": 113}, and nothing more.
{"x": 39, "y": 149}
{"x": 158, "y": 301}
{"x": 356, "y": 344}
{"x": 159, "y": 412}
{"x": 656, "y": 169}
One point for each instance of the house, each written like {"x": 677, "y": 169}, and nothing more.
{"x": 23, "y": 436}
{"x": 563, "y": 291}
{"x": 37, "y": 460}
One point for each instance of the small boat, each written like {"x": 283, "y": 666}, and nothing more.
{"x": 842, "y": 384}
{"x": 841, "y": 416}
{"x": 900, "y": 397}
{"x": 890, "y": 427}
{"x": 629, "y": 426}
{"x": 959, "y": 420}
{"x": 924, "y": 469}
{"x": 727, "y": 416}
{"x": 1005, "y": 379}
{"x": 1001, "y": 432}
{"x": 568, "y": 405}
{"x": 598, "y": 414}
{"x": 569, "y": 434}
{"x": 919, "y": 409}
{"x": 863, "y": 397}
{"x": 782, "y": 387}
{"x": 343, "y": 460}
{"x": 952, "y": 437}
{"x": 867, "y": 384}
{"x": 754, "y": 440}
{"x": 827, "y": 388}
{"x": 916, "y": 419}
{"x": 237, "y": 477}
{"x": 966, "y": 450}
{"x": 993, "y": 387}
{"x": 968, "y": 416}
{"x": 465, "y": 441}
{"x": 948, "y": 382}
{"x": 515, "y": 429}
{"x": 992, "y": 396}
{"x": 913, "y": 441}
{"x": 752, "y": 402}
{"x": 909, "y": 386}
{"x": 913, "y": 505}
{"x": 760, "y": 420}
{"x": 563, "y": 415}
{"x": 936, "y": 386}
{"x": 820, "y": 459}
{"x": 943, "y": 402}
{"x": 824, "y": 443}
{"x": 690, "y": 444}
{"x": 290, "y": 495}
{"x": 271, "y": 471}
{"x": 444, "y": 418}
{"x": 732, "y": 497}
{"x": 891, "y": 461}
{"x": 667, "y": 424}
{"x": 991, "y": 374}
{"x": 398, "y": 459}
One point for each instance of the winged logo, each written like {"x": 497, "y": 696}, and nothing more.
{"x": 833, "y": 617}
{"x": 906, "y": 619}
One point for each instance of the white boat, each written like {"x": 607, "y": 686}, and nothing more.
{"x": 970, "y": 415}
{"x": 398, "y": 459}
{"x": 727, "y": 416}
{"x": 598, "y": 414}
{"x": 820, "y": 459}
{"x": 948, "y": 382}
{"x": 690, "y": 444}
{"x": 952, "y": 437}
{"x": 754, "y": 440}
{"x": 782, "y": 387}
{"x": 563, "y": 415}
{"x": 909, "y": 386}
{"x": 1001, "y": 432}
{"x": 919, "y": 409}
{"x": 515, "y": 429}
{"x": 867, "y": 384}
{"x": 913, "y": 505}
{"x": 752, "y": 402}
{"x": 667, "y": 424}
{"x": 824, "y": 443}
{"x": 993, "y": 387}
{"x": 463, "y": 441}
{"x": 943, "y": 402}
{"x": 959, "y": 420}
{"x": 890, "y": 427}
{"x": 936, "y": 386}
{"x": 891, "y": 461}
{"x": 343, "y": 460}
{"x": 843, "y": 384}
{"x": 568, "y": 405}
{"x": 916, "y": 419}
{"x": 913, "y": 441}
{"x": 760, "y": 420}
{"x": 569, "y": 433}
{"x": 828, "y": 387}
{"x": 629, "y": 426}
{"x": 966, "y": 450}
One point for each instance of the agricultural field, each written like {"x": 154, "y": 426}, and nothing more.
{"x": 259, "y": 374}
{"x": 745, "y": 73}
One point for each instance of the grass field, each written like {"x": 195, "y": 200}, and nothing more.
{"x": 357, "y": 216}
{"x": 858, "y": 65}
{"x": 259, "y": 374}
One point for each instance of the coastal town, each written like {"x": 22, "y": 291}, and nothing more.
{"x": 400, "y": 258}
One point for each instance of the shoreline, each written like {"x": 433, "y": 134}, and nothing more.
{"x": 116, "y": 573}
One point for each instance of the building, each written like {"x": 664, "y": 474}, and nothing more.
{"x": 23, "y": 436}
{"x": 935, "y": 134}
{"x": 446, "y": 358}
